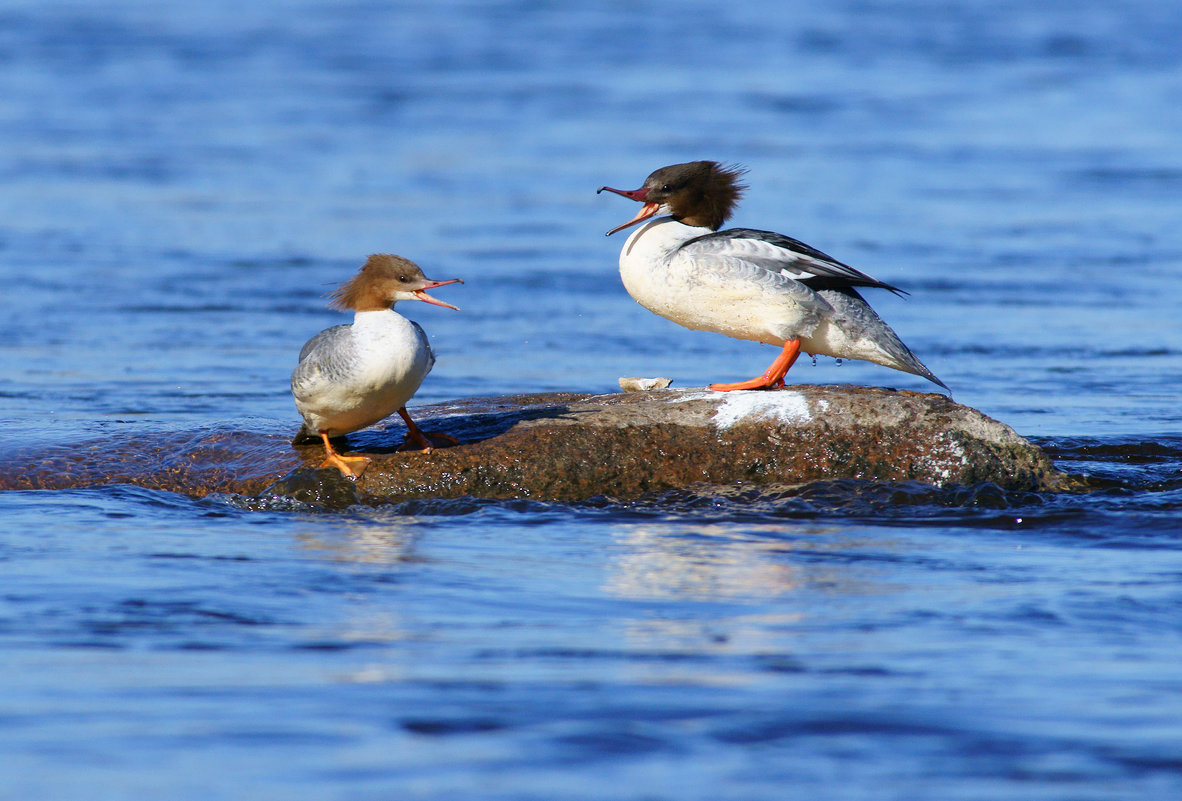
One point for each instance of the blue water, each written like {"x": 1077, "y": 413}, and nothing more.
{"x": 182, "y": 185}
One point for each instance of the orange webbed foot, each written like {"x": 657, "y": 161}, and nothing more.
{"x": 416, "y": 436}
{"x": 343, "y": 463}
{"x": 755, "y": 383}
{"x": 346, "y": 465}
{"x": 773, "y": 378}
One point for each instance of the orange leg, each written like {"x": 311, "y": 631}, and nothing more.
{"x": 774, "y": 377}
{"x": 342, "y": 463}
{"x": 417, "y": 435}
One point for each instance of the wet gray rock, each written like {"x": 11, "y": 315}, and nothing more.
{"x": 570, "y": 447}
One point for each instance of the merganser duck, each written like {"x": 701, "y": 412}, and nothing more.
{"x": 747, "y": 284}
{"x": 352, "y": 376}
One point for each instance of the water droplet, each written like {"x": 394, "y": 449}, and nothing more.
{"x": 838, "y": 362}
{"x": 814, "y": 361}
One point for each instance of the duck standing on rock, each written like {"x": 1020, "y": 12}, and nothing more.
{"x": 747, "y": 284}
{"x": 352, "y": 376}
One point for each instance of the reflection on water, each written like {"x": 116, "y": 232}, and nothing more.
{"x": 360, "y": 540}
{"x": 713, "y": 562}
{"x": 713, "y": 600}
{"x": 702, "y": 562}
{"x": 379, "y": 545}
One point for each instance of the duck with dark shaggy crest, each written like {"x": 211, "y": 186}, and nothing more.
{"x": 748, "y": 284}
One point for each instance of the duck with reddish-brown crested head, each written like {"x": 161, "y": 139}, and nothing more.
{"x": 747, "y": 284}
{"x": 352, "y": 376}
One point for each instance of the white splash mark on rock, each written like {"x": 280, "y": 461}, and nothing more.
{"x": 735, "y": 407}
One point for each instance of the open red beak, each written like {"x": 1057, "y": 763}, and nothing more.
{"x": 422, "y": 295}
{"x": 646, "y": 211}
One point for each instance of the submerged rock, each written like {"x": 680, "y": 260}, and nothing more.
{"x": 310, "y": 488}
{"x": 570, "y": 447}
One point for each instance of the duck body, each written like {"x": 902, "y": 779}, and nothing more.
{"x": 745, "y": 283}
{"x": 349, "y": 377}
{"x": 352, "y": 376}
{"x": 728, "y": 283}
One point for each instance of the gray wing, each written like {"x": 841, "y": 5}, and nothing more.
{"x": 325, "y": 340}
{"x": 734, "y": 279}
{"x": 782, "y": 254}
{"x": 323, "y": 357}
{"x": 859, "y": 320}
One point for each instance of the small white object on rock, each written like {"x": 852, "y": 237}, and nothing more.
{"x": 644, "y": 384}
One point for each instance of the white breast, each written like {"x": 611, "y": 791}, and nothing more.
{"x": 645, "y": 269}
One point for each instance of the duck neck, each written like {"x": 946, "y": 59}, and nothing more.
{"x": 373, "y": 318}
{"x": 661, "y": 236}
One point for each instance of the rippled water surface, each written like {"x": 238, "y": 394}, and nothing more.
{"x": 183, "y": 183}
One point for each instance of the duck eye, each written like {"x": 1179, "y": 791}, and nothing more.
{"x": 403, "y": 279}
{"x": 666, "y": 188}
